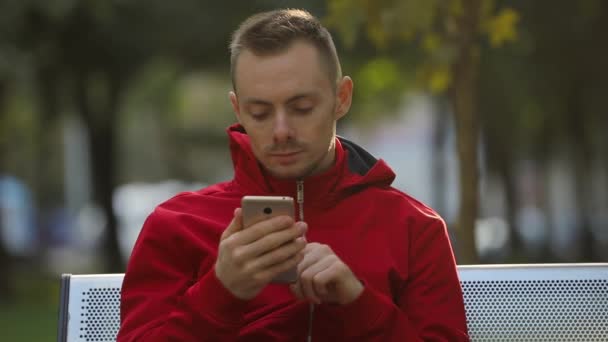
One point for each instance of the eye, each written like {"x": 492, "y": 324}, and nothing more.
{"x": 259, "y": 115}
{"x": 258, "y": 111}
{"x": 303, "y": 110}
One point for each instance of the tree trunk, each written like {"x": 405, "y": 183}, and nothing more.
{"x": 5, "y": 276}
{"x": 439, "y": 183}
{"x": 48, "y": 111}
{"x": 5, "y": 261}
{"x": 100, "y": 121}
{"x": 505, "y": 171}
{"x": 464, "y": 100}
{"x": 582, "y": 171}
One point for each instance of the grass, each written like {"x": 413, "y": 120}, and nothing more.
{"x": 28, "y": 322}
{"x": 31, "y": 314}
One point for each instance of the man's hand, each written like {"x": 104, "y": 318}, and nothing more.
{"x": 248, "y": 259}
{"x": 324, "y": 278}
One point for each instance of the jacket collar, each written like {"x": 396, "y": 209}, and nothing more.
{"x": 353, "y": 168}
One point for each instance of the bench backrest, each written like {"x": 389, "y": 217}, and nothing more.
{"x": 89, "y": 307}
{"x": 554, "y": 302}
{"x": 536, "y": 302}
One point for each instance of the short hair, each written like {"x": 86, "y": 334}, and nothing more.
{"x": 273, "y": 32}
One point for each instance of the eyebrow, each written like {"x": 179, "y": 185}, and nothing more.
{"x": 253, "y": 100}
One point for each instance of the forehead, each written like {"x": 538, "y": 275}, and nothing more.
{"x": 298, "y": 69}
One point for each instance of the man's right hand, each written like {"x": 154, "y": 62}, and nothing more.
{"x": 248, "y": 259}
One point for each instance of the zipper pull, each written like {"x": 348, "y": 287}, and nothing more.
{"x": 300, "y": 198}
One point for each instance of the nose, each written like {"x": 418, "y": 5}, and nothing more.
{"x": 281, "y": 131}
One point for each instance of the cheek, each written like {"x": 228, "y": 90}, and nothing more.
{"x": 257, "y": 144}
{"x": 322, "y": 130}
{"x": 255, "y": 139}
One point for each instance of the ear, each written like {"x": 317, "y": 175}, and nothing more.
{"x": 235, "y": 105}
{"x": 344, "y": 97}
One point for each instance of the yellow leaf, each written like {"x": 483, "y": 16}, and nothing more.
{"x": 439, "y": 79}
{"x": 456, "y": 8}
{"x": 377, "y": 35}
{"x": 406, "y": 34}
{"x": 346, "y": 17}
{"x": 378, "y": 75}
{"x": 431, "y": 42}
{"x": 503, "y": 27}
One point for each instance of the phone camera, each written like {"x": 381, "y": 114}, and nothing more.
{"x": 267, "y": 211}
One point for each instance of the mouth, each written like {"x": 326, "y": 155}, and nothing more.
{"x": 284, "y": 154}
{"x": 285, "y": 158}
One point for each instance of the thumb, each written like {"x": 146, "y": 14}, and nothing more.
{"x": 235, "y": 225}
{"x": 296, "y": 290}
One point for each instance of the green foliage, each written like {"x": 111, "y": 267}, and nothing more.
{"x": 379, "y": 86}
{"x": 427, "y": 24}
{"x": 345, "y": 17}
{"x": 377, "y": 76}
{"x": 18, "y": 124}
{"x": 556, "y": 68}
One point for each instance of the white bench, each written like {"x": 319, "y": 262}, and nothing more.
{"x": 548, "y": 302}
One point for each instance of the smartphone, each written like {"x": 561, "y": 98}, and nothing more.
{"x": 260, "y": 208}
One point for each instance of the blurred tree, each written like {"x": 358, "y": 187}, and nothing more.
{"x": 543, "y": 97}
{"x": 580, "y": 89}
{"x": 449, "y": 34}
{"x": 504, "y": 90}
{"x": 5, "y": 273}
{"x": 5, "y": 81}
{"x": 86, "y": 55}
{"x": 90, "y": 51}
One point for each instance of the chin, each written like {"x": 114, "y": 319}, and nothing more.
{"x": 288, "y": 173}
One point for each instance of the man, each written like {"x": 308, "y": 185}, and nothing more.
{"x": 373, "y": 263}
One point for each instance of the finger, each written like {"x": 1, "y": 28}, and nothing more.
{"x": 307, "y": 279}
{"x": 274, "y": 240}
{"x": 235, "y": 225}
{"x": 267, "y": 274}
{"x": 325, "y": 279}
{"x": 330, "y": 278}
{"x": 305, "y": 227}
{"x": 311, "y": 255}
{"x": 248, "y": 252}
{"x": 263, "y": 228}
{"x": 296, "y": 290}
{"x": 278, "y": 255}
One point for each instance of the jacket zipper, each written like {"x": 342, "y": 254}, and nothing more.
{"x": 300, "y": 200}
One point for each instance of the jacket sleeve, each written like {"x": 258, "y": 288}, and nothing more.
{"x": 161, "y": 297}
{"x": 430, "y": 306}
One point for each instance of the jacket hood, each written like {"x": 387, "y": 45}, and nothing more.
{"x": 353, "y": 170}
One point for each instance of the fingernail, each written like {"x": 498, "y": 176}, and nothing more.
{"x": 302, "y": 226}
{"x": 301, "y": 239}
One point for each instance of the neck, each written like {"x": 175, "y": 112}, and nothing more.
{"x": 328, "y": 160}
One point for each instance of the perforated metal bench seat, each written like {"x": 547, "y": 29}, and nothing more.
{"x": 554, "y": 302}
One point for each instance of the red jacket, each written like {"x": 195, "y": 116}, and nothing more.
{"x": 397, "y": 246}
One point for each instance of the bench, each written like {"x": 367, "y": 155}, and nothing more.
{"x": 544, "y": 302}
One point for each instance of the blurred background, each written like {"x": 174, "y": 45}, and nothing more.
{"x": 492, "y": 112}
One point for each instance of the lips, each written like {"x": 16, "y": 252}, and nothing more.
{"x": 284, "y": 154}
{"x": 285, "y": 158}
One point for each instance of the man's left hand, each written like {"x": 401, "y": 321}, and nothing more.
{"x": 324, "y": 278}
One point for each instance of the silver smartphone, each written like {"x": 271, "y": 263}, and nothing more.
{"x": 260, "y": 208}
